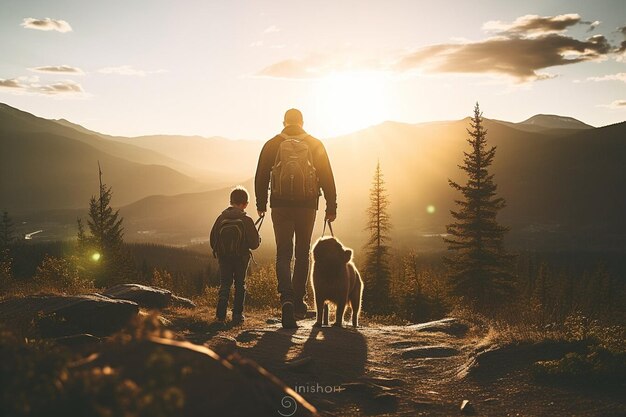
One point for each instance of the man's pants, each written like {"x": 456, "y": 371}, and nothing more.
{"x": 290, "y": 221}
{"x": 234, "y": 269}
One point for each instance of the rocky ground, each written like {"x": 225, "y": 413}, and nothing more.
{"x": 442, "y": 368}
{"x": 428, "y": 369}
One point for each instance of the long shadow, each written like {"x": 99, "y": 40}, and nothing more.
{"x": 326, "y": 357}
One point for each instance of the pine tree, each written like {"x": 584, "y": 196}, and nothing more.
{"x": 7, "y": 232}
{"x": 104, "y": 246}
{"x": 479, "y": 268}
{"x": 377, "y": 273}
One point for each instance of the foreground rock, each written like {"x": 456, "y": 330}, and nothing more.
{"x": 450, "y": 325}
{"x": 62, "y": 315}
{"x": 209, "y": 384}
{"x": 147, "y": 297}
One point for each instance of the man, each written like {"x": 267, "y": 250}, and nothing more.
{"x": 298, "y": 166}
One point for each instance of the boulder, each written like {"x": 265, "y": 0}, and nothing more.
{"x": 64, "y": 315}
{"x": 451, "y": 326}
{"x": 211, "y": 384}
{"x": 182, "y": 302}
{"x": 147, "y": 297}
{"x": 429, "y": 352}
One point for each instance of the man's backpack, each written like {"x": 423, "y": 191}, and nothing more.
{"x": 230, "y": 238}
{"x": 293, "y": 175}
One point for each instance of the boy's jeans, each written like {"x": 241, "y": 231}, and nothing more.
{"x": 290, "y": 221}
{"x": 233, "y": 269}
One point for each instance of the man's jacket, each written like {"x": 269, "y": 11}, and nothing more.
{"x": 320, "y": 162}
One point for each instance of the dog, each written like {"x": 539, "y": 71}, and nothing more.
{"x": 335, "y": 280}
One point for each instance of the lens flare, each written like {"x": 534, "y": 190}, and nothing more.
{"x": 430, "y": 209}
{"x": 96, "y": 257}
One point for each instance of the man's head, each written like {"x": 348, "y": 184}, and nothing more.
{"x": 239, "y": 197}
{"x": 293, "y": 117}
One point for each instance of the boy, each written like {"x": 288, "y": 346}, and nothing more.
{"x": 233, "y": 236}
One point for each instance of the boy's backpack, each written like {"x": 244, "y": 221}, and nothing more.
{"x": 293, "y": 175}
{"x": 230, "y": 238}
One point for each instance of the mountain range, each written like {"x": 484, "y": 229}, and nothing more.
{"x": 563, "y": 180}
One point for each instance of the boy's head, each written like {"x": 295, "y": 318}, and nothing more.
{"x": 239, "y": 197}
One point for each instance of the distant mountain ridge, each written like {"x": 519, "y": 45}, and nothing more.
{"x": 562, "y": 184}
{"x": 553, "y": 121}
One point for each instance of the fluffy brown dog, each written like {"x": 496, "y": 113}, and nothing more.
{"x": 335, "y": 279}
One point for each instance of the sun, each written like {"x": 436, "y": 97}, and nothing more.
{"x": 351, "y": 100}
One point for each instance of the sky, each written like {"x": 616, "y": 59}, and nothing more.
{"x": 231, "y": 68}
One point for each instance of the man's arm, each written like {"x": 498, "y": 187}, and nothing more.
{"x": 252, "y": 235}
{"x": 327, "y": 181}
{"x": 262, "y": 178}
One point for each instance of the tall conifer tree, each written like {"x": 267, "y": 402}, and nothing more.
{"x": 377, "y": 271}
{"x": 479, "y": 270}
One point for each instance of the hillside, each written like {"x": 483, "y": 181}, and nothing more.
{"x": 46, "y": 165}
{"x": 562, "y": 183}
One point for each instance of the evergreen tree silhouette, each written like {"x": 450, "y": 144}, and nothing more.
{"x": 479, "y": 269}
{"x": 377, "y": 272}
{"x": 103, "y": 250}
{"x": 7, "y": 232}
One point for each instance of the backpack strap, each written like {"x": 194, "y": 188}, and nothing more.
{"x": 297, "y": 137}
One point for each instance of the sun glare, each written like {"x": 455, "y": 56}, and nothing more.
{"x": 349, "y": 101}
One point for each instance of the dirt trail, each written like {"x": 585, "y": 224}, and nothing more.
{"x": 402, "y": 371}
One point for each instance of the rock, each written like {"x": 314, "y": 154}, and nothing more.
{"x": 77, "y": 340}
{"x": 493, "y": 361}
{"x": 467, "y": 407}
{"x": 383, "y": 381}
{"x": 222, "y": 345}
{"x": 182, "y": 302}
{"x": 451, "y": 326}
{"x": 249, "y": 335}
{"x": 211, "y": 385}
{"x": 298, "y": 364}
{"x": 148, "y": 297}
{"x": 387, "y": 402}
{"x": 64, "y": 315}
{"x": 429, "y": 352}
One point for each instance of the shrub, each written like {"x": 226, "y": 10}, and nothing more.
{"x": 61, "y": 274}
{"x": 261, "y": 287}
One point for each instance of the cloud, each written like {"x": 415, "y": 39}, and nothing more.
{"x": 129, "y": 70}
{"x": 534, "y": 24}
{"x": 10, "y": 83}
{"x": 256, "y": 44}
{"x": 61, "y": 87}
{"x": 621, "y": 49}
{"x": 617, "y": 104}
{"x": 46, "y": 24}
{"x": 621, "y": 76}
{"x": 65, "y": 69}
{"x": 518, "y": 57}
{"x": 272, "y": 29}
{"x": 520, "y": 50}
{"x": 25, "y": 85}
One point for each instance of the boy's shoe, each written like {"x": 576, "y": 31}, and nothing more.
{"x": 288, "y": 320}
{"x": 238, "y": 319}
{"x": 217, "y": 325}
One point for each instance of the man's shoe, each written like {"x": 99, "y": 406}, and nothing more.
{"x": 288, "y": 320}
{"x": 300, "y": 310}
{"x": 238, "y": 319}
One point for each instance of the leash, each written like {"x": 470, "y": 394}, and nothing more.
{"x": 259, "y": 223}
{"x": 330, "y": 227}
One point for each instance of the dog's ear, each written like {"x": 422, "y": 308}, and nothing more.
{"x": 348, "y": 255}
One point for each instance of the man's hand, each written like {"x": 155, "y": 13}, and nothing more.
{"x": 261, "y": 213}
{"x": 330, "y": 217}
